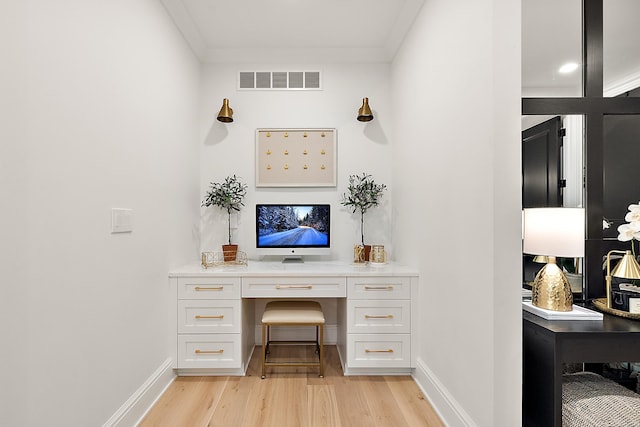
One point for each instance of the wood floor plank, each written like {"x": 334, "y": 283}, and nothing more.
{"x": 293, "y": 397}
{"x": 189, "y": 401}
{"x": 384, "y": 410}
{"x": 323, "y": 406}
{"x": 415, "y": 408}
{"x": 354, "y": 408}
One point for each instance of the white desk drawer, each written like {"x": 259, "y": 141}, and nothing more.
{"x": 208, "y": 287}
{"x": 379, "y": 287}
{"x": 294, "y": 287}
{"x": 209, "y": 351}
{"x": 379, "y": 316}
{"x": 208, "y": 316}
{"x": 379, "y": 351}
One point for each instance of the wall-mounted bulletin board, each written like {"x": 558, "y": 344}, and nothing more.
{"x": 296, "y": 158}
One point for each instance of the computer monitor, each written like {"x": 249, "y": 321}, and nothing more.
{"x": 293, "y": 230}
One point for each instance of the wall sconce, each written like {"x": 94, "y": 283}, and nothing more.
{"x": 627, "y": 268}
{"x": 553, "y": 232}
{"x": 364, "y": 113}
{"x": 226, "y": 113}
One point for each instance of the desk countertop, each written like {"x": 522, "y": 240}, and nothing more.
{"x": 275, "y": 268}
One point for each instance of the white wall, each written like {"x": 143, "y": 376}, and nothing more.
{"x": 228, "y": 149}
{"x": 456, "y": 89}
{"x": 105, "y": 114}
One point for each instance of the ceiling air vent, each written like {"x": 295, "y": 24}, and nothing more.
{"x": 279, "y": 80}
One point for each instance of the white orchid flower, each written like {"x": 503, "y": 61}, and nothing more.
{"x": 634, "y": 213}
{"x": 627, "y": 232}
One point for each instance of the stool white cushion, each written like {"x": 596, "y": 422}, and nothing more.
{"x": 293, "y": 312}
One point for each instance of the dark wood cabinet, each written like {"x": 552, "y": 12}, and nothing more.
{"x": 549, "y": 344}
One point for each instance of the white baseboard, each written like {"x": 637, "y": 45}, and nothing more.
{"x": 137, "y": 406}
{"x": 291, "y": 333}
{"x": 449, "y": 410}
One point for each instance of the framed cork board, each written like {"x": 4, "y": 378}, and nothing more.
{"x": 295, "y": 158}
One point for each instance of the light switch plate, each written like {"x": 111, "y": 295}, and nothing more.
{"x": 121, "y": 220}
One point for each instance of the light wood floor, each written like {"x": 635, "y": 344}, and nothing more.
{"x": 293, "y": 397}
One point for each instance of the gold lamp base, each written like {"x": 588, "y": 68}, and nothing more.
{"x": 551, "y": 289}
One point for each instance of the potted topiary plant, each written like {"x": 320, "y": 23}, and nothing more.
{"x": 227, "y": 195}
{"x": 362, "y": 194}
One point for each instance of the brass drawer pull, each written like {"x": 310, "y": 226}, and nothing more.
{"x": 381, "y": 316}
{"x": 294, "y": 286}
{"x": 378, "y": 288}
{"x": 220, "y": 316}
{"x": 209, "y": 351}
{"x": 379, "y": 351}
{"x": 217, "y": 288}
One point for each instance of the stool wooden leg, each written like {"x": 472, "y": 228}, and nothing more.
{"x": 264, "y": 348}
{"x": 321, "y": 343}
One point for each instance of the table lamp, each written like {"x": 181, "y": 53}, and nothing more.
{"x": 627, "y": 268}
{"x": 553, "y": 232}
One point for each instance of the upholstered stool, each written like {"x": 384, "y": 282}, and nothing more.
{"x": 293, "y": 313}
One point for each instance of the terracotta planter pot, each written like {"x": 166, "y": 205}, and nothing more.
{"x": 361, "y": 253}
{"x": 229, "y": 252}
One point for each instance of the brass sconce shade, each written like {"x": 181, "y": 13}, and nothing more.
{"x": 627, "y": 268}
{"x": 364, "y": 113}
{"x": 553, "y": 232}
{"x": 226, "y": 113}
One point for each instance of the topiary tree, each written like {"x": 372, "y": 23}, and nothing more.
{"x": 362, "y": 194}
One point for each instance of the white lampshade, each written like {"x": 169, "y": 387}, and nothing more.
{"x": 555, "y": 232}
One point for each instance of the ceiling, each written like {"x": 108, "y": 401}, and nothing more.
{"x": 551, "y": 36}
{"x": 270, "y": 31}
{"x": 329, "y": 31}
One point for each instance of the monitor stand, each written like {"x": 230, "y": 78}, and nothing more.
{"x": 292, "y": 259}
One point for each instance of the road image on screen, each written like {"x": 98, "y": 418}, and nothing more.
{"x": 292, "y": 226}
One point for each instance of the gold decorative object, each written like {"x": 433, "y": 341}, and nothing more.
{"x": 226, "y": 113}
{"x": 323, "y": 152}
{"x": 286, "y": 152}
{"x": 360, "y": 254}
{"x": 304, "y": 135}
{"x": 216, "y": 259}
{"x": 627, "y": 268}
{"x": 323, "y": 167}
{"x": 305, "y": 167}
{"x": 268, "y": 134}
{"x": 305, "y": 152}
{"x": 551, "y": 289}
{"x": 286, "y": 134}
{"x": 601, "y": 304}
{"x": 268, "y": 152}
{"x": 378, "y": 254}
{"x": 322, "y": 134}
{"x": 553, "y": 232}
{"x": 268, "y": 167}
{"x": 286, "y": 166}
{"x": 364, "y": 113}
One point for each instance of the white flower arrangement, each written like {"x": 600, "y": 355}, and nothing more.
{"x": 630, "y": 231}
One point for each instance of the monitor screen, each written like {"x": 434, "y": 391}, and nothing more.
{"x": 293, "y": 229}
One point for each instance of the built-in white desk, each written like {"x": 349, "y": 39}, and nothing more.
{"x": 213, "y": 315}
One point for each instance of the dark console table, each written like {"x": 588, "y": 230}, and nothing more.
{"x": 547, "y": 344}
